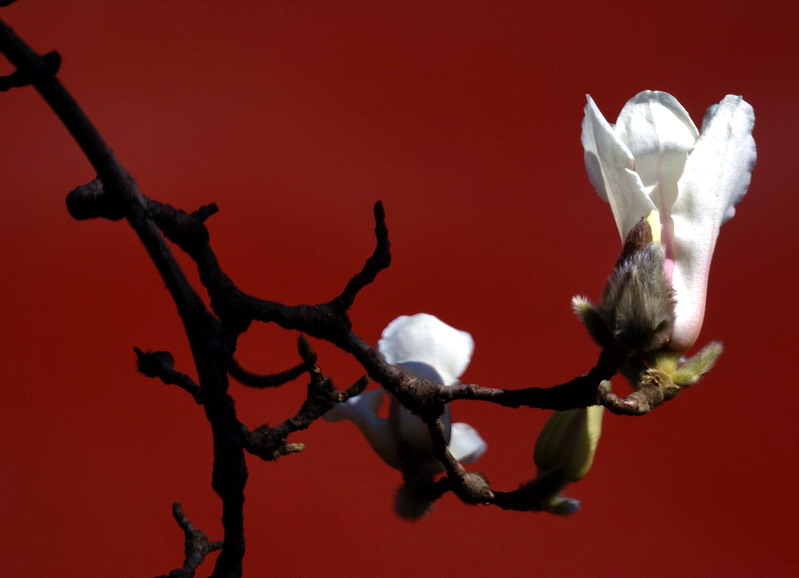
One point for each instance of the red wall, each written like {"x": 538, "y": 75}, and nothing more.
{"x": 464, "y": 119}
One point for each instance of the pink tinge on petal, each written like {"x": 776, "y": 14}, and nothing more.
{"x": 686, "y": 328}
{"x": 668, "y": 268}
{"x": 689, "y": 307}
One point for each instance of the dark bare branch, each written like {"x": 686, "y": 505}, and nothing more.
{"x": 380, "y": 259}
{"x": 202, "y": 329}
{"x": 160, "y": 364}
{"x": 582, "y": 391}
{"x": 263, "y": 381}
{"x": 21, "y": 77}
{"x": 269, "y": 443}
{"x": 196, "y": 545}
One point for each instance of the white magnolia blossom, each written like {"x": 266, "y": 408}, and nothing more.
{"x": 426, "y": 347}
{"x": 654, "y": 159}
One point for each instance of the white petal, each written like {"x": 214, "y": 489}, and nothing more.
{"x": 654, "y": 122}
{"x": 660, "y": 134}
{"x": 591, "y": 156}
{"x": 362, "y": 411}
{"x": 715, "y": 178}
{"x": 423, "y": 339}
{"x": 466, "y": 445}
{"x": 608, "y": 156}
{"x": 409, "y": 428}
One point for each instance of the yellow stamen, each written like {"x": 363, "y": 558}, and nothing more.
{"x": 653, "y": 218}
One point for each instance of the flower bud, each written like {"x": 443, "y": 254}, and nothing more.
{"x": 568, "y": 442}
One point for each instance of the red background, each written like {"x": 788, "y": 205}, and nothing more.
{"x": 464, "y": 119}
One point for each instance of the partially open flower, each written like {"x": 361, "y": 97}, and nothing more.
{"x": 654, "y": 161}
{"x": 426, "y": 347}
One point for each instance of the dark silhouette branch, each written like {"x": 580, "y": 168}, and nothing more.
{"x": 262, "y": 381}
{"x": 196, "y": 545}
{"x": 160, "y": 364}
{"x": 203, "y": 330}
{"x": 379, "y": 260}
{"x": 269, "y": 443}
{"x": 20, "y": 77}
{"x": 582, "y": 391}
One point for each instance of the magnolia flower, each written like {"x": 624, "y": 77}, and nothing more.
{"x": 654, "y": 161}
{"x": 424, "y": 346}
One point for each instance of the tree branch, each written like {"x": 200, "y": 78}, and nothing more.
{"x": 196, "y": 545}
{"x": 203, "y": 331}
{"x": 379, "y": 260}
{"x": 21, "y": 77}
{"x": 261, "y": 381}
{"x": 160, "y": 364}
{"x": 269, "y": 443}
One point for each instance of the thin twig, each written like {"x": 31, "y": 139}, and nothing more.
{"x": 269, "y": 443}
{"x": 262, "y": 381}
{"x": 160, "y": 364}
{"x": 196, "y": 545}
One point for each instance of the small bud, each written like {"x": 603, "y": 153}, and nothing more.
{"x": 594, "y": 322}
{"x": 696, "y": 367}
{"x": 305, "y": 350}
{"x": 637, "y": 304}
{"x": 563, "y": 506}
{"x": 293, "y": 448}
{"x": 636, "y": 313}
{"x": 568, "y": 442}
{"x": 670, "y": 368}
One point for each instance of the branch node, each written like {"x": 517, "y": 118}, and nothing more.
{"x": 91, "y": 201}
{"x": 196, "y": 545}
{"x": 160, "y": 364}
{"x": 50, "y": 64}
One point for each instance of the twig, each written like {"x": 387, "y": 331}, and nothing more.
{"x": 380, "y": 259}
{"x": 261, "y": 381}
{"x": 269, "y": 443}
{"x": 196, "y": 545}
{"x": 160, "y": 364}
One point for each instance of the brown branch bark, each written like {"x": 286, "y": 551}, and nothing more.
{"x": 196, "y": 545}
{"x": 160, "y": 364}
